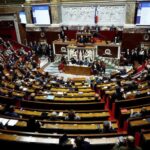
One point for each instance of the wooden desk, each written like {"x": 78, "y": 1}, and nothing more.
{"x": 136, "y": 124}
{"x": 17, "y": 139}
{"x": 81, "y": 79}
{"x": 19, "y": 94}
{"x": 59, "y": 89}
{"x": 125, "y": 112}
{"x": 90, "y": 94}
{"x": 8, "y": 84}
{"x": 82, "y": 115}
{"x": 130, "y": 102}
{"x": 65, "y": 99}
{"x": 108, "y": 50}
{"x": 60, "y": 47}
{"x": 74, "y": 99}
{"x": 77, "y": 70}
{"x": 67, "y": 127}
{"x": 63, "y": 106}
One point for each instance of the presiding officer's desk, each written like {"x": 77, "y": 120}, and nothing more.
{"x": 103, "y": 48}
{"x": 77, "y": 70}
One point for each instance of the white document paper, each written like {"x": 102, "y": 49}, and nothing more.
{"x": 12, "y": 122}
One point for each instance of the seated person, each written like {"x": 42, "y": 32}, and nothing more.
{"x": 118, "y": 95}
{"x": 54, "y": 115}
{"x": 129, "y": 145}
{"x": 143, "y": 112}
{"x": 82, "y": 39}
{"x": 76, "y": 89}
{"x": 33, "y": 124}
{"x": 94, "y": 68}
{"x": 10, "y": 111}
{"x": 107, "y": 127}
{"x": 123, "y": 71}
{"x": 80, "y": 62}
{"x": 72, "y": 116}
{"x": 73, "y": 61}
{"x": 121, "y": 142}
{"x": 63, "y": 140}
{"x": 65, "y": 39}
{"x": 97, "y": 97}
{"x": 86, "y": 62}
{"x": 44, "y": 115}
{"x": 81, "y": 144}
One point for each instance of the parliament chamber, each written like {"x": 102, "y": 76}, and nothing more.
{"x": 75, "y": 75}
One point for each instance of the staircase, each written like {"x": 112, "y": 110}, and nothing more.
{"x": 111, "y": 63}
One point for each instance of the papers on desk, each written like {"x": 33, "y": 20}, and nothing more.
{"x": 12, "y": 122}
{"x": 80, "y": 92}
{"x": 50, "y": 97}
{"x": 124, "y": 76}
{"x": 128, "y": 93}
{"x": 72, "y": 141}
{"x": 25, "y": 89}
{"x": 60, "y": 93}
{"x": 122, "y": 89}
{"x": 60, "y": 114}
{"x": 105, "y": 81}
{"x": 54, "y": 140}
{"x": 114, "y": 79}
{"x": 104, "y": 140}
{"x": 3, "y": 121}
{"x": 105, "y": 87}
{"x": 53, "y": 82}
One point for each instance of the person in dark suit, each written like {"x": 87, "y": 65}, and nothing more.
{"x": 10, "y": 111}
{"x": 63, "y": 140}
{"x": 73, "y": 61}
{"x": 82, "y": 39}
{"x": 33, "y": 125}
{"x": 118, "y": 95}
{"x": 107, "y": 127}
{"x": 80, "y": 62}
{"x": 62, "y": 35}
{"x": 72, "y": 116}
{"x": 95, "y": 68}
{"x": 81, "y": 144}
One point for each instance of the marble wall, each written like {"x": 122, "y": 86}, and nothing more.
{"x": 56, "y": 11}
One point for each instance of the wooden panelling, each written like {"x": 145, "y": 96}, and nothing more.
{"x": 35, "y": 36}
{"x": 132, "y": 40}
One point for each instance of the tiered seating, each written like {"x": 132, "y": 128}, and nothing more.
{"x": 34, "y": 93}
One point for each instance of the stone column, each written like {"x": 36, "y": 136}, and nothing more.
{"x": 55, "y": 11}
{"x": 27, "y": 10}
{"x": 130, "y": 12}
